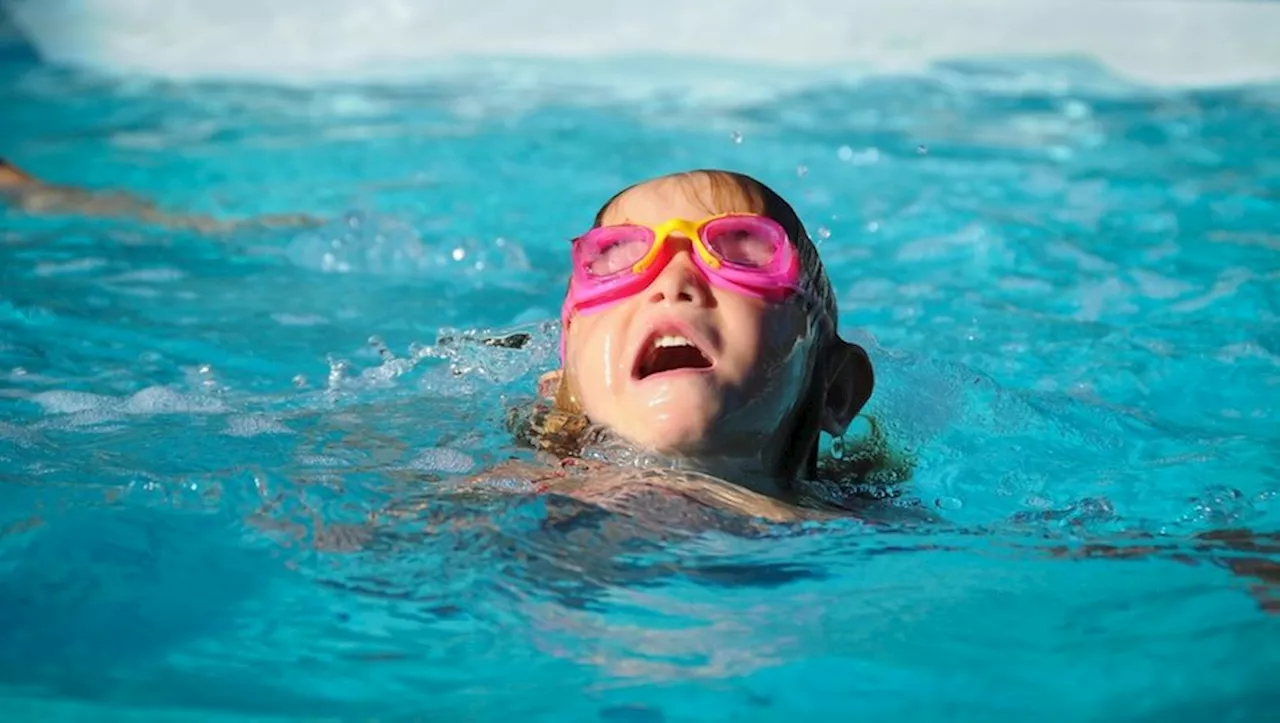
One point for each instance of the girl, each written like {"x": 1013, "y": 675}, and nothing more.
{"x": 700, "y": 335}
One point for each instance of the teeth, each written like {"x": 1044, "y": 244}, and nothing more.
{"x": 672, "y": 340}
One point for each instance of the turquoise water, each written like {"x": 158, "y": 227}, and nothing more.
{"x": 221, "y": 454}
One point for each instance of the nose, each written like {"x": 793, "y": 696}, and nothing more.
{"x": 681, "y": 281}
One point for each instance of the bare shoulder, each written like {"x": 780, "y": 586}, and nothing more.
{"x": 513, "y": 475}
{"x": 11, "y": 175}
{"x": 622, "y": 489}
{"x": 36, "y": 196}
{"x": 625, "y": 489}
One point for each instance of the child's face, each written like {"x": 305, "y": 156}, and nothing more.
{"x": 632, "y": 373}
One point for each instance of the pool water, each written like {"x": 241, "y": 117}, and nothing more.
{"x": 222, "y": 454}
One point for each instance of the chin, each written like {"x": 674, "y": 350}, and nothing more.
{"x": 673, "y": 433}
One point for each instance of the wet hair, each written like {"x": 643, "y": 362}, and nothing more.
{"x": 557, "y": 425}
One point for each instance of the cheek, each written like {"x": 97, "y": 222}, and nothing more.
{"x": 592, "y": 351}
{"x": 785, "y": 328}
{"x": 775, "y": 347}
{"x": 766, "y": 333}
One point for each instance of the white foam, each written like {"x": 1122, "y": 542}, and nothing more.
{"x": 442, "y": 459}
{"x": 162, "y": 400}
{"x": 147, "y": 276}
{"x": 1182, "y": 42}
{"x": 151, "y": 400}
{"x": 285, "y": 319}
{"x": 254, "y": 425}
{"x": 75, "y": 266}
{"x": 64, "y": 402}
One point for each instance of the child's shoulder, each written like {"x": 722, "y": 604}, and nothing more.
{"x": 624, "y": 488}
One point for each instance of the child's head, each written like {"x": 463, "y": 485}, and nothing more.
{"x": 721, "y": 341}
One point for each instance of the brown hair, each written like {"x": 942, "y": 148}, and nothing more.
{"x": 557, "y": 424}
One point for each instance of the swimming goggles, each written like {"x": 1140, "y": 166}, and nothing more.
{"x": 745, "y": 253}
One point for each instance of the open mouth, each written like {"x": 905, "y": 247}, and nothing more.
{"x": 669, "y": 352}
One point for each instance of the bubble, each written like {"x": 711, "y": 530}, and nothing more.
{"x": 922, "y": 149}
{"x": 802, "y": 171}
{"x": 845, "y": 153}
{"x": 1219, "y": 505}
{"x": 736, "y": 137}
{"x": 873, "y": 226}
{"x": 824, "y": 233}
{"x": 300, "y": 381}
{"x": 459, "y": 253}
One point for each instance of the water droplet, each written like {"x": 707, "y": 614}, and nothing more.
{"x": 736, "y": 137}
{"x": 922, "y": 149}
{"x": 845, "y": 153}
{"x": 337, "y": 369}
{"x": 206, "y": 378}
{"x": 802, "y": 170}
{"x": 459, "y": 253}
{"x": 380, "y": 346}
{"x": 948, "y": 503}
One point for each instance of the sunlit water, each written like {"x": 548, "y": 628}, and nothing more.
{"x": 222, "y": 456}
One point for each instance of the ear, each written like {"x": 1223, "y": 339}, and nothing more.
{"x": 849, "y": 382}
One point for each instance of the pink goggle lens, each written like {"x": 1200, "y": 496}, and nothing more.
{"x": 743, "y": 241}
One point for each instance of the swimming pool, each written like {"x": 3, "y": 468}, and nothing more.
{"x": 218, "y": 451}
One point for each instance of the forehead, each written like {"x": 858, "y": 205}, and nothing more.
{"x": 690, "y": 197}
